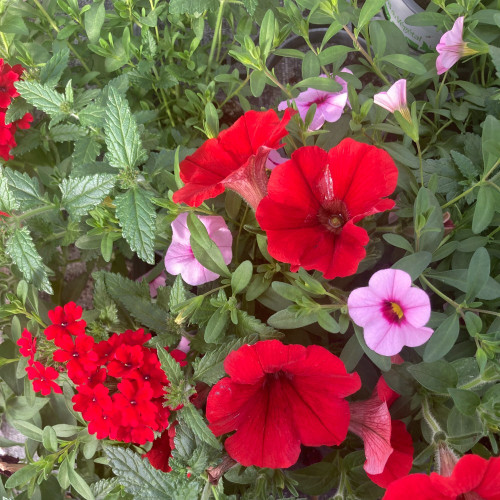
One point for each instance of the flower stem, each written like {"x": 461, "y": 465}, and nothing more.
{"x": 457, "y": 306}
{"x": 34, "y": 212}
{"x": 420, "y": 163}
{"x": 429, "y": 417}
{"x": 216, "y": 38}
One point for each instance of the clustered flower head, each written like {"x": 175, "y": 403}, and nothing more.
{"x": 9, "y": 75}
{"x": 120, "y": 386}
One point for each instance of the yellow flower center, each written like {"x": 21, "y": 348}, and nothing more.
{"x": 396, "y": 309}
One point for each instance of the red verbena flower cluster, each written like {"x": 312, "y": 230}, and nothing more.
{"x": 9, "y": 75}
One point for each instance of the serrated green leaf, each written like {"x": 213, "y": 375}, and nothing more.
{"x": 92, "y": 116}
{"x": 24, "y": 188}
{"x": 80, "y": 194}
{"x": 122, "y": 136}
{"x": 250, "y": 6}
{"x": 17, "y": 109}
{"x": 8, "y": 201}
{"x": 139, "y": 478}
{"x": 178, "y": 292}
{"x": 66, "y": 132}
{"x": 54, "y": 67}
{"x": 86, "y": 151}
{"x": 465, "y": 165}
{"x": 136, "y": 214}
{"x": 41, "y": 96}
{"x": 22, "y": 251}
{"x": 191, "y": 417}
{"x": 170, "y": 366}
{"x": 249, "y": 325}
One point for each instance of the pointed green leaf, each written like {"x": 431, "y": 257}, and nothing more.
{"x": 443, "y": 339}
{"x": 122, "y": 136}
{"x": 24, "y": 188}
{"x": 22, "y": 251}
{"x": 80, "y": 194}
{"x": 191, "y": 417}
{"x": 170, "y": 366}
{"x": 438, "y": 376}
{"x": 478, "y": 273}
{"x": 137, "y": 215}
{"x": 41, "y": 96}
{"x": 54, "y": 67}
{"x": 86, "y": 151}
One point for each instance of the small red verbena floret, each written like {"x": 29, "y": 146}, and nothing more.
{"x": 43, "y": 378}
{"x": 27, "y": 344}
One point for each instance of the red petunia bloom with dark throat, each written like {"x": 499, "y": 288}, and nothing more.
{"x": 277, "y": 397}
{"x": 315, "y": 200}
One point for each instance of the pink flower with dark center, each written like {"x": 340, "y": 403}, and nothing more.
{"x": 451, "y": 47}
{"x": 329, "y": 105}
{"x": 391, "y": 311}
{"x": 394, "y": 99}
{"x": 180, "y": 259}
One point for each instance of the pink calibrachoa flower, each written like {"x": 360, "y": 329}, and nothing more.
{"x": 451, "y": 47}
{"x": 391, "y": 311}
{"x": 329, "y": 105}
{"x": 180, "y": 258}
{"x": 274, "y": 159}
{"x": 394, "y": 99}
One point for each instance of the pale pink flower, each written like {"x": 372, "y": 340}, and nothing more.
{"x": 274, "y": 159}
{"x": 180, "y": 258}
{"x": 394, "y": 99}
{"x": 184, "y": 345}
{"x": 391, "y": 311}
{"x": 329, "y": 105}
{"x": 451, "y": 47}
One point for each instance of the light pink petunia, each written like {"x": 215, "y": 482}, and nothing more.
{"x": 329, "y": 105}
{"x": 391, "y": 311}
{"x": 180, "y": 258}
{"x": 451, "y": 47}
{"x": 394, "y": 99}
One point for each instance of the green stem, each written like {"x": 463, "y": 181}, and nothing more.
{"x": 366, "y": 55}
{"x": 420, "y": 163}
{"x": 436, "y": 100}
{"x": 429, "y": 417}
{"x": 438, "y": 292}
{"x": 236, "y": 92}
{"x": 215, "y": 40}
{"x": 33, "y": 212}
{"x": 277, "y": 83}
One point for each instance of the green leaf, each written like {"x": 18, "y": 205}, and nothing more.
{"x": 405, "y": 62}
{"x": 191, "y": 6}
{"x": 216, "y": 326}
{"x": 49, "y": 438}
{"x": 311, "y": 65}
{"x": 29, "y": 430}
{"x": 22, "y": 251}
{"x": 80, "y": 194}
{"x": 41, "y": 96}
{"x": 204, "y": 249}
{"x": 79, "y": 484}
{"x": 24, "y": 188}
{"x": 465, "y": 165}
{"x": 266, "y": 33}
{"x": 351, "y": 353}
{"x": 86, "y": 151}
{"x": 437, "y": 377}
{"x": 22, "y": 476}
{"x": 319, "y": 83}
{"x": 368, "y": 10}
{"x": 258, "y": 81}
{"x": 66, "y": 132}
{"x": 210, "y": 368}
{"x": 192, "y": 418}
{"x": 466, "y": 402}
{"x": 136, "y": 214}
{"x": 94, "y": 19}
{"x": 414, "y": 264}
{"x": 383, "y": 362}
{"x": 241, "y": 277}
{"x": 135, "y": 298}
{"x": 398, "y": 241}
{"x": 7, "y": 200}
{"x": 287, "y": 319}
{"x": 138, "y": 477}
{"x": 170, "y": 366}
{"x": 333, "y": 54}
{"x": 54, "y": 68}
{"x": 489, "y": 142}
{"x": 316, "y": 479}
{"x": 457, "y": 278}
{"x": 17, "y": 109}
{"x": 428, "y": 218}
{"x": 122, "y": 136}
{"x": 478, "y": 273}
{"x": 92, "y": 115}
{"x": 486, "y": 204}
{"x": 443, "y": 339}
{"x": 178, "y": 292}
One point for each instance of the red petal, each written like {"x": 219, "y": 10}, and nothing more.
{"x": 490, "y": 485}
{"x": 401, "y": 459}
{"x": 414, "y": 487}
{"x": 362, "y": 175}
{"x": 384, "y": 392}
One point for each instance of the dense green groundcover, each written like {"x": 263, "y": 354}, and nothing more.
{"x": 121, "y": 92}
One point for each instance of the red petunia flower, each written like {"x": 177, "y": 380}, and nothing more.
{"x": 43, "y": 378}
{"x": 277, "y": 397}
{"x": 65, "y": 321}
{"x": 235, "y": 160}
{"x": 161, "y": 451}
{"x": 315, "y": 199}
{"x": 7, "y": 79}
{"x": 27, "y": 344}
{"x": 472, "y": 477}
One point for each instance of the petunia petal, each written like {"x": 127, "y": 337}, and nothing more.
{"x": 414, "y": 487}
{"x": 416, "y": 306}
{"x": 383, "y": 337}
{"x": 390, "y": 284}
{"x": 364, "y": 305}
{"x": 414, "y": 336}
